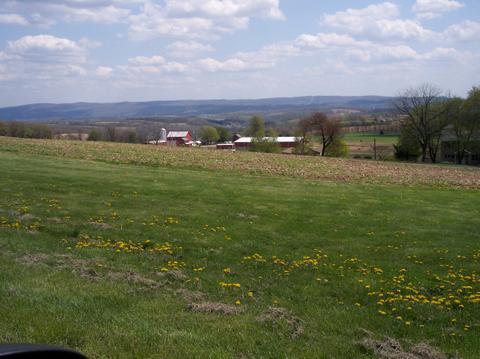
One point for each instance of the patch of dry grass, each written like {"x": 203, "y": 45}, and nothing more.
{"x": 389, "y": 348}
{"x": 275, "y": 315}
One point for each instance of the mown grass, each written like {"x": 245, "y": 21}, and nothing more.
{"x": 327, "y": 252}
{"x": 367, "y": 137}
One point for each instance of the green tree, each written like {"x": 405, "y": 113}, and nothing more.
{"x": 272, "y": 133}
{"x": 304, "y": 134}
{"x": 327, "y": 129}
{"x": 256, "y": 127}
{"x": 338, "y": 148}
{"x": 3, "y": 128}
{"x": 422, "y": 111}
{"x": 266, "y": 145}
{"x": 111, "y": 133}
{"x": 132, "y": 136}
{"x": 41, "y": 131}
{"x": 209, "y": 134}
{"x": 407, "y": 148}
{"x": 464, "y": 118}
{"x": 223, "y": 133}
{"x": 94, "y": 135}
{"x": 16, "y": 129}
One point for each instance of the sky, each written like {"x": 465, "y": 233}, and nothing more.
{"x": 61, "y": 51}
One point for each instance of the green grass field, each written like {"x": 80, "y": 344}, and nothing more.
{"x": 361, "y": 145}
{"x": 369, "y": 137}
{"x": 149, "y": 259}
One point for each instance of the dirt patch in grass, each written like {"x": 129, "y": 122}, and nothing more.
{"x": 101, "y": 225}
{"x": 33, "y": 258}
{"x": 275, "y": 315}
{"x": 54, "y": 220}
{"x": 88, "y": 269}
{"x": 133, "y": 277}
{"x": 27, "y": 217}
{"x": 197, "y": 302}
{"x": 216, "y": 308}
{"x": 389, "y": 348}
{"x": 191, "y": 296}
{"x": 173, "y": 275}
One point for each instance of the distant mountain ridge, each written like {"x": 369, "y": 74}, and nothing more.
{"x": 186, "y": 108}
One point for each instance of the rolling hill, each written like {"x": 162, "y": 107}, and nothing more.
{"x": 182, "y": 108}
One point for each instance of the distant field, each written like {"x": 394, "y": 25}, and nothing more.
{"x": 134, "y": 251}
{"x": 361, "y": 145}
{"x": 369, "y": 137}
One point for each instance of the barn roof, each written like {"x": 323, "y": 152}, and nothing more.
{"x": 177, "y": 134}
{"x": 277, "y": 139}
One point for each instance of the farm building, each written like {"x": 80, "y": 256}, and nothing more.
{"x": 225, "y": 146}
{"x": 179, "y": 138}
{"x": 449, "y": 148}
{"x": 284, "y": 142}
{"x": 236, "y": 137}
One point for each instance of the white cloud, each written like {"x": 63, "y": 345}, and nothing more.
{"x": 234, "y": 64}
{"x": 345, "y": 46}
{"x": 188, "y": 48}
{"x": 13, "y": 19}
{"x": 464, "y": 31}
{"x": 362, "y": 50}
{"x": 327, "y": 40}
{"x": 226, "y": 8}
{"x": 46, "y": 48}
{"x": 430, "y": 9}
{"x": 377, "y": 21}
{"x": 352, "y": 19}
{"x": 49, "y": 12}
{"x": 199, "y": 18}
{"x": 147, "y": 61}
{"x": 265, "y": 58}
{"x": 384, "y": 54}
{"x": 44, "y": 57}
{"x": 143, "y": 65}
{"x": 104, "y": 71}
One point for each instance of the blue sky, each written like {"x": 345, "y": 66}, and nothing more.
{"x": 134, "y": 50}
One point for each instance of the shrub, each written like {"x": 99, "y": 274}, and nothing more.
{"x": 94, "y": 135}
{"x": 266, "y": 145}
{"x": 209, "y": 134}
{"x": 338, "y": 149}
{"x": 407, "y": 148}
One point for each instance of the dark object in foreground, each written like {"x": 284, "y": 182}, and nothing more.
{"x": 34, "y": 351}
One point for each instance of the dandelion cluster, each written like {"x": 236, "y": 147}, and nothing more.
{"x": 130, "y": 246}
{"x": 229, "y": 285}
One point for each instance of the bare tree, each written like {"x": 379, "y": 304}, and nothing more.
{"x": 111, "y": 133}
{"x": 422, "y": 109}
{"x": 303, "y": 132}
{"x": 329, "y": 130}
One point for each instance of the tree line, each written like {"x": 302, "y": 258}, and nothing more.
{"x": 113, "y": 134}
{"x": 25, "y": 129}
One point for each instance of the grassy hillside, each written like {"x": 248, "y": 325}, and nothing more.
{"x": 148, "y": 254}
{"x": 331, "y": 169}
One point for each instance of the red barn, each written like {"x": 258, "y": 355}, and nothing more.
{"x": 179, "y": 137}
